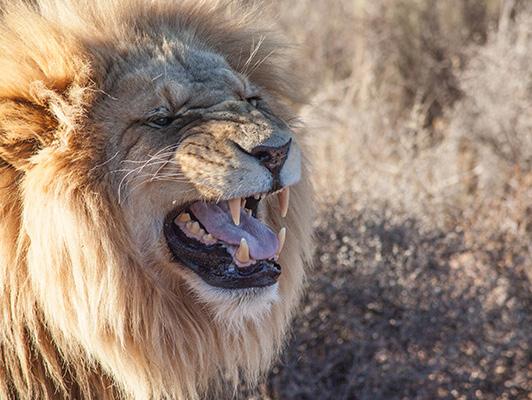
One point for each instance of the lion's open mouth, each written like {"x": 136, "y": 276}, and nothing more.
{"x": 226, "y": 243}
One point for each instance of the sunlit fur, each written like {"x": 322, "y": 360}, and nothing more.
{"x": 83, "y": 314}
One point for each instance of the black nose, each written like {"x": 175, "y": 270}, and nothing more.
{"x": 273, "y": 158}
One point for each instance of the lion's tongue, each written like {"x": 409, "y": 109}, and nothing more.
{"x": 262, "y": 241}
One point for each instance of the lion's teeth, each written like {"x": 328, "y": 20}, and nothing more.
{"x": 243, "y": 203}
{"x": 234, "y": 207}
{"x": 257, "y": 196}
{"x": 195, "y": 227}
{"x": 242, "y": 254}
{"x": 184, "y": 217}
{"x": 249, "y": 212}
{"x": 284, "y": 200}
{"x": 208, "y": 237}
{"x": 281, "y": 236}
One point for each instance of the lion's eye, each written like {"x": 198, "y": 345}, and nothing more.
{"x": 160, "y": 122}
{"x": 254, "y": 100}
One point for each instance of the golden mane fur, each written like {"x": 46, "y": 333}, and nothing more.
{"x": 82, "y": 315}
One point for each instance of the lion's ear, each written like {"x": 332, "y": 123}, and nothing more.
{"x": 25, "y": 128}
{"x": 43, "y": 71}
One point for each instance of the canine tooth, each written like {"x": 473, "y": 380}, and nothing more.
{"x": 195, "y": 227}
{"x": 234, "y": 206}
{"x": 284, "y": 200}
{"x": 242, "y": 254}
{"x": 184, "y": 217}
{"x": 281, "y": 236}
{"x": 243, "y": 204}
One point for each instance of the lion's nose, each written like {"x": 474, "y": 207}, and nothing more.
{"x": 271, "y": 157}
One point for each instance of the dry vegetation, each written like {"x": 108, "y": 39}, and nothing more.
{"x": 420, "y": 116}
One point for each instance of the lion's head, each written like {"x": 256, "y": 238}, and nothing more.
{"x": 154, "y": 206}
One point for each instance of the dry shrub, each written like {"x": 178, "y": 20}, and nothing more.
{"x": 495, "y": 114}
{"x": 415, "y": 129}
{"x": 492, "y": 126}
{"x": 420, "y": 121}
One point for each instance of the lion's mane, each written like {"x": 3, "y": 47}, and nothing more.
{"x": 79, "y": 317}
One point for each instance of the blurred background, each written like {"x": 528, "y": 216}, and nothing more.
{"x": 420, "y": 122}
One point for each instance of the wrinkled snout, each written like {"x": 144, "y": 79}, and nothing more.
{"x": 230, "y": 155}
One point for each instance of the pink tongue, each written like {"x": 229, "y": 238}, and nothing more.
{"x": 262, "y": 242}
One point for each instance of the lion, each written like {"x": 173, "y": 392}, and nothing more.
{"x": 155, "y": 204}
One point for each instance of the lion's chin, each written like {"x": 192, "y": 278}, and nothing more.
{"x": 233, "y": 307}
{"x": 226, "y": 244}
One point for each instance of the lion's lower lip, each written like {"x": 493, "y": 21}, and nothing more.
{"x": 216, "y": 262}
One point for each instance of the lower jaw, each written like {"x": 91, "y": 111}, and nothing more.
{"x": 215, "y": 266}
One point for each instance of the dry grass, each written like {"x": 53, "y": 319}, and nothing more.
{"x": 421, "y": 124}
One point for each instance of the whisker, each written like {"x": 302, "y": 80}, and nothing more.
{"x": 176, "y": 177}
{"x": 138, "y": 185}
{"x": 121, "y": 183}
{"x": 104, "y": 163}
{"x": 160, "y": 160}
{"x": 160, "y": 168}
{"x": 260, "y": 62}
{"x": 254, "y": 51}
